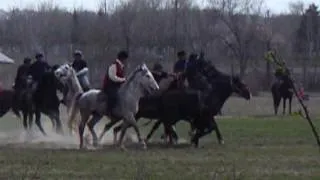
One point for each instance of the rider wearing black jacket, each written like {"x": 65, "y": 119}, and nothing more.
{"x": 38, "y": 69}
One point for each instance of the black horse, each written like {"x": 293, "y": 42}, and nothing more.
{"x": 46, "y": 101}
{"x": 194, "y": 106}
{"x": 282, "y": 90}
{"x": 43, "y": 100}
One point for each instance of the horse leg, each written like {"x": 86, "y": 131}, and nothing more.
{"x": 30, "y": 115}
{"x": 154, "y": 128}
{"x": 276, "y": 102}
{"x": 38, "y": 122}
{"x": 131, "y": 121}
{"x": 25, "y": 120}
{"x": 116, "y": 130}
{"x": 218, "y": 133}
{"x": 72, "y": 118}
{"x": 55, "y": 119}
{"x": 94, "y": 120}
{"x": 290, "y": 103}
{"x": 284, "y": 105}
{"x": 82, "y": 125}
{"x": 106, "y": 129}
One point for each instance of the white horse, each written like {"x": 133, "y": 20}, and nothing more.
{"x": 68, "y": 76}
{"x": 140, "y": 83}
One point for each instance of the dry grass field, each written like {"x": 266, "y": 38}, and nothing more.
{"x": 258, "y": 145}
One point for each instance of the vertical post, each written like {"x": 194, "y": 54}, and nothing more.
{"x": 268, "y": 47}
{"x": 175, "y": 26}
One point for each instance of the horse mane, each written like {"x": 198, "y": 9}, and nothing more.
{"x": 211, "y": 73}
{"x": 131, "y": 76}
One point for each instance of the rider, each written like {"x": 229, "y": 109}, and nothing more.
{"x": 22, "y": 74}
{"x": 280, "y": 73}
{"x": 158, "y": 72}
{"x": 80, "y": 66}
{"x": 38, "y": 69}
{"x": 180, "y": 66}
{"x": 20, "y": 82}
{"x": 114, "y": 78}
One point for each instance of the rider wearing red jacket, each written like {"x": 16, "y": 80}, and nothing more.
{"x": 114, "y": 77}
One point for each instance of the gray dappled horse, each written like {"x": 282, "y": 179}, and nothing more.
{"x": 139, "y": 84}
{"x": 68, "y": 77}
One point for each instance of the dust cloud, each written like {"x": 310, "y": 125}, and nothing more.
{"x": 34, "y": 139}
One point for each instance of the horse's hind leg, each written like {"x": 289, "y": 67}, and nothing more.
{"x": 290, "y": 103}
{"x": 154, "y": 128}
{"x": 106, "y": 129}
{"x": 82, "y": 125}
{"x": 38, "y": 122}
{"x": 30, "y": 115}
{"x": 56, "y": 122}
{"x": 94, "y": 120}
{"x": 276, "y": 103}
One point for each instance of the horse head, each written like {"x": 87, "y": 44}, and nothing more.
{"x": 144, "y": 78}
{"x": 64, "y": 72}
{"x": 239, "y": 87}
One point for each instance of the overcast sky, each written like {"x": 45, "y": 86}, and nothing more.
{"x": 276, "y": 6}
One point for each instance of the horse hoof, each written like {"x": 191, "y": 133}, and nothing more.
{"x": 144, "y": 146}
{"x": 123, "y": 148}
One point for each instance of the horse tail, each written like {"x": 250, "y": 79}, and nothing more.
{"x": 74, "y": 110}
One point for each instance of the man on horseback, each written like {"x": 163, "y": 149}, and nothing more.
{"x": 20, "y": 83}
{"x": 158, "y": 72}
{"x": 38, "y": 69}
{"x": 180, "y": 67}
{"x": 81, "y": 67}
{"x": 113, "y": 79}
{"x": 22, "y": 74}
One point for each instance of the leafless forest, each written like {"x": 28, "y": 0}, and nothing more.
{"x": 234, "y": 34}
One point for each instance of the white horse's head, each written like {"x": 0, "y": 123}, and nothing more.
{"x": 64, "y": 72}
{"x": 144, "y": 77}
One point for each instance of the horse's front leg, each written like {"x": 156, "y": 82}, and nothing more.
{"x": 154, "y": 128}
{"x": 127, "y": 122}
{"x": 38, "y": 122}
{"x": 218, "y": 133}
{"x": 290, "y": 103}
{"x": 284, "y": 106}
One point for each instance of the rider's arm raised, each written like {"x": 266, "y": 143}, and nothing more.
{"x": 112, "y": 72}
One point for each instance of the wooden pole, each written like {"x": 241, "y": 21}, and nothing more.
{"x": 279, "y": 62}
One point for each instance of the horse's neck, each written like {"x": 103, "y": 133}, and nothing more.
{"x": 130, "y": 91}
{"x": 218, "y": 98}
{"x": 74, "y": 84}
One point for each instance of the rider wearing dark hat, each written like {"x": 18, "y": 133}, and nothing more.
{"x": 158, "y": 72}
{"x": 20, "y": 82}
{"x": 81, "y": 67}
{"x": 38, "y": 68}
{"x": 180, "y": 65}
{"x": 22, "y": 73}
{"x": 114, "y": 77}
